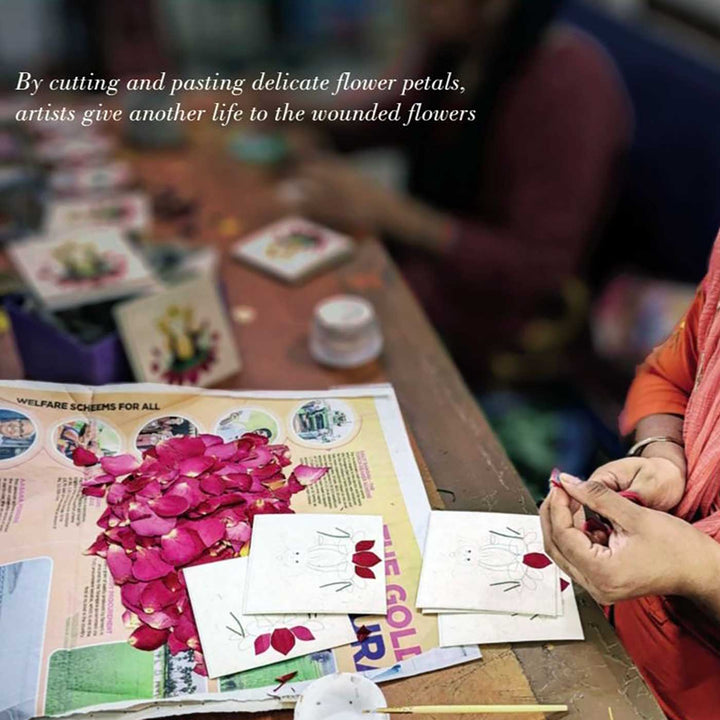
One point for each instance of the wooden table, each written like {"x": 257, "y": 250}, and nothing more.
{"x": 458, "y": 449}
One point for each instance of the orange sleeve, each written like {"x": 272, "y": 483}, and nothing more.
{"x": 663, "y": 383}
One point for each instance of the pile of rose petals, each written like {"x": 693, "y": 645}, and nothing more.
{"x": 191, "y": 500}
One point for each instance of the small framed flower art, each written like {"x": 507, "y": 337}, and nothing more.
{"x": 180, "y": 336}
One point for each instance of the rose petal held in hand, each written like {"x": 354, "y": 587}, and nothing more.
{"x": 190, "y": 501}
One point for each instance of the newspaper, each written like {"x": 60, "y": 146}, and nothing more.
{"x": 65, "y": 649}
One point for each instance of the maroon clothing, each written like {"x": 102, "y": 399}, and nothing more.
{"x": 557, "y": 133}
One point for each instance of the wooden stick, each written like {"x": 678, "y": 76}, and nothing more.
{"x": 469, "y": 709}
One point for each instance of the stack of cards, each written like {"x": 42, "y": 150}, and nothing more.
{"x": 488, "y": 578}
{"x": 293, "y": 249}
{"x": 292, "y": 596}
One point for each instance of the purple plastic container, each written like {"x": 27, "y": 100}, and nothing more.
{"x": 52, "y": 355}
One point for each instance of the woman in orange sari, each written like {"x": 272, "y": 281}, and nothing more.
{"x": 658, "y": 568}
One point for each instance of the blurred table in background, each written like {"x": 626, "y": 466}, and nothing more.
{"x": 456, "y": 446}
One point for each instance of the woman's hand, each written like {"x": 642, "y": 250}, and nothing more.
{"x": 648, "y": 552}
{"x": 332, "y": 192}
{"x": 658, "y": 481}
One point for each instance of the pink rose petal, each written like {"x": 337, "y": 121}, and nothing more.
{"x": 307, "y": 475}
{"x": 213, "y": 485}
{"x": 210, "y": 530}
{"x": 82, "y": 457}
{"x": 195, "y": 466}
{"x": 170, "y": 505}
{"x": 181, "y": 546}
{"x": 156, "y": 596}
{"x": 149, "y": 565}
{"x": 147, "y": 638}
{"x": 119, "y": 465}
{"x": 153, "y": 525}
{"x": 119, "y": 564}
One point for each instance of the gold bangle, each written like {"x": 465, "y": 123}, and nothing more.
{"x": 638, "y": 447}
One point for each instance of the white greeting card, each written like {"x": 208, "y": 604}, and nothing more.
{"x": 316, "y": 564}
{"x": 489, "y": 562}
{"x": 179, "y": 336}
{"x": 233, "y": 642}
{"x": 128, "y": 211}
{"x": 82, "y": 267}
{"x": 493, "y": 628}
{"x": 293, "y": 249}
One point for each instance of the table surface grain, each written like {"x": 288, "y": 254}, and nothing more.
{"x": 457, "y": 449}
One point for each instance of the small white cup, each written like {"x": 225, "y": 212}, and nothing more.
{"x": 345, "y": 332}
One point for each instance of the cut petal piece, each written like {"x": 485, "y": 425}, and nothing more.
{"x": 365, "y": 559}
{"x": 302, "y": 633}
{"x": 364, "y": 545}
{"x": 262, "y": 643}
{"x": 282, "y": 640}
{"x": 364, "y": 572}
{"x": 536, "y": 560}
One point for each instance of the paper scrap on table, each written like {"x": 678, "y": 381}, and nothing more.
{"x": 82, "y": 267}
{"x": 316, "y": 564}
{"x": 488, "y": 562}
{"x": 233, "y": 642}
{"x": 293, "y": 249}
{"x": 492, "y": 628}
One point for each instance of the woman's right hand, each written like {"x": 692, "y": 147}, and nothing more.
{"x": 659, "y": 481}
{"x": 648, "y": 553}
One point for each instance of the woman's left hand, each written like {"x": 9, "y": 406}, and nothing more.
{"x": 648, "y": 552}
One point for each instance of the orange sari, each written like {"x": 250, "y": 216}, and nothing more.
{"x": 675, "y": 646}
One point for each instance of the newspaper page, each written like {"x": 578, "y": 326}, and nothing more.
{"x": 65, "y": 631}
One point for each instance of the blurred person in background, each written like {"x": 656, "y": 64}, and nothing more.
{"x": 658, "y": 569}
{"x": 501, "y": 211}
